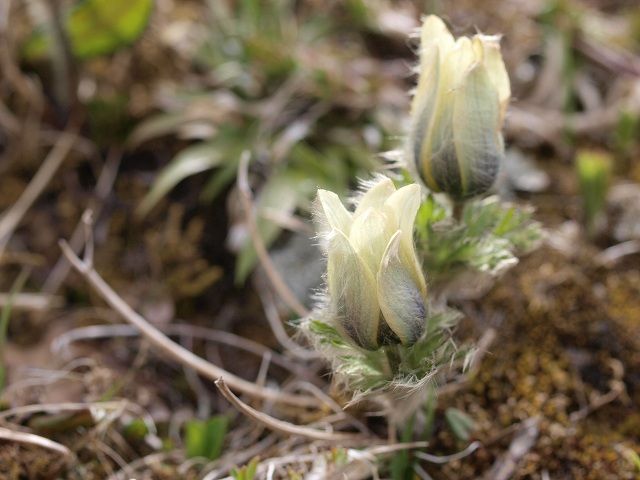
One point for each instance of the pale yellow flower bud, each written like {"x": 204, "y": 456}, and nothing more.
{"x": 377, "y": 291}
{"x": 458, "y": 110}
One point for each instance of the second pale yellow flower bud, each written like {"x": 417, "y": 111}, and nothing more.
{"x": 458, "y": 111}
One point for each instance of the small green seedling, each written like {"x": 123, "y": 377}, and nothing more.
{"x": 594, "y": 176}
{"x": 205, "y": 438}
{"x": 246, "y": 472}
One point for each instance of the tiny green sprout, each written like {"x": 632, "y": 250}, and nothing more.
{"x": 205, "y": 438}
{"x": 455, "y": 141}
{"x": 246, "y": 472}
{"x": 594, "y": 175}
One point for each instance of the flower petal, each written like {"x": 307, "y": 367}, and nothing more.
{"x": 375, "y": 196}
{"x": 352, "y": 290}
{"x": 422, "y": 112}
{"x": 434, "y": 32}
{"x": 405, "y": 204}
{"x": 332, "y": 213}
{"x": 401, "y": 302}
{"x": 477, "y": 140}
{"x": 492, "y": 59}
{"x": 370, "y": 234}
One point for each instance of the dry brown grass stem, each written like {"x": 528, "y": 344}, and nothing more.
{"x": 62, "y": 343}
{"x": 104, "y": 186}
{"x": 246, "y": 199}
{"x": 275, "y": 322}
{"x": 31, "y": 439}
{"x": 286, "y": 427}
{"x": 169, "y": 347}
{"x": 50, "y": 165}
{"x": 37, "y": 302}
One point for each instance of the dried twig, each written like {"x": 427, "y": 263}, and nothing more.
{"x": 282, "y": 426}
{"x": 49, "y": 167}
{"x": 31, "y": 439}
{"x": 270, "y": 269}
{"x": 275, "y": 322}
{"x": 104, "y": 185}
{"x": 169, "y": 347}
{"x": 95, "y": 332}
{"x": 449, "y": 458}
{"x": 610, "y": 256}
{"x": 32, "y": 301}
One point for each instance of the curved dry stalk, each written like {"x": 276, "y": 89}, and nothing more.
{"x": 37, "y": 302}
{"x": 104, "y": 185}
{"x": 10, "y": 219}
{"x": 246, "y": 199}
{"x": 285, "y": 427}
{"x": 275, "y": 322}
{"x": 472, "y": 447}
{"x": 168, "y": 346}
{"x": 95, "y": 332}
{"x": 37, "y": 440}
{"x": 331, "y": 403}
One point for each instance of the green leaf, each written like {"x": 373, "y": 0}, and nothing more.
{"x": 95, "y": 27}
{"x": 486, "y": 239}
{"x": 460, "y": 423}
{"x": 194, "y": 159}
{"x": 280, "y": 194}
{"x": 157, "y": 126}
{"x": 594, "y": 170}
{"x": 136, "y": 429}
{"x": 247, "y": 472}
{"x": 206, "y": 438}
{"x": 401, "y": 467}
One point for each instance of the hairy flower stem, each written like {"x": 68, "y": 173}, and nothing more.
{"x": 458, "y": 209}
{"x": 393, "y": 358}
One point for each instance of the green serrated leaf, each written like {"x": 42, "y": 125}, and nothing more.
{"x": 486, "y": 239}
{"x": 95, "y": 27}
{"x": 401, "y": 467}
